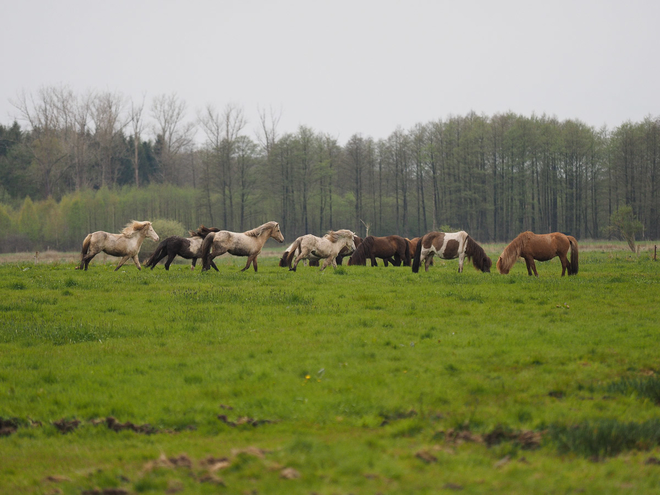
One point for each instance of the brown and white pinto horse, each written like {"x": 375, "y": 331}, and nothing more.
{"x": 449, "y": 246}
{"x": 391, "y": 249}
{"x": 540, "y": 247}
{"x": 327, "y": 247}
{"x": 126, "y": 244}
{"x": 247, "y": 244}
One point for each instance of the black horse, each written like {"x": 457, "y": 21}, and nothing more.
{"x": 186, "y": 247}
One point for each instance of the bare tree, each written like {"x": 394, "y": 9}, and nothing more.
{"x": 108, "y": 123}
{"x": 42, "y": 114}
{"x": 137, "y": 125}
{"x": 169, "y": 112}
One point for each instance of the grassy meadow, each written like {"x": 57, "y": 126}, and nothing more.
{"x": 354, "y": 380}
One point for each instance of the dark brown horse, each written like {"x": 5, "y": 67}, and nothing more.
{"x": 186, "y": 247}
{"x": 391, "y": 249}
{"x": 540, "y": 247}
{"x": 449, "y": 246}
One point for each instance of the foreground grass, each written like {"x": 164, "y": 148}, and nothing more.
{"x": 359, "y": 379}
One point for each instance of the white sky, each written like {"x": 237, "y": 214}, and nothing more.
{"x": 344, "y": 67}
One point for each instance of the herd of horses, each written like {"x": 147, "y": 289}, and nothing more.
{"x": 332, "y": 248}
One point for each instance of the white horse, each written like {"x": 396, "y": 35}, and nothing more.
{"x": 326, "y": 247}
{"x": 239, "y": 244}
{"x": 126, "y": 244}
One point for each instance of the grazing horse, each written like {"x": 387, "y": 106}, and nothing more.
{"x": 449, "y": 246}
{"x": 394, "y": 249}
{"x": 540, "y": 247}
{"x": 239, "y": 244}
{"x": 317, "y": 248}
{"x": 313, "y": 261}
{"x": 126, "y": 244}
{"x": 186, "y": 247}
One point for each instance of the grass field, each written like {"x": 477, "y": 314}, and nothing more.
{"x": 355, "y": 380}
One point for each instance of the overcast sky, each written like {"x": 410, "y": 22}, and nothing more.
{"x": 344, "y": 67}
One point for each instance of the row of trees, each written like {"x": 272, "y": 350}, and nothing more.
{"x": 493, "y": 176}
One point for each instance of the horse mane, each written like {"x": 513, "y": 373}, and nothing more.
{"x": 363, "y": 251}
{"x": 202, "y": 231}
{"x": 476, "y": 253}
{"x": 256, "y": 232}
{"x": 512, "y": 252}
{"x": 133, "y": 227}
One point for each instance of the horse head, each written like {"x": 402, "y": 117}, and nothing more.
{"x": 276, "y": 234}
{"x": 151, "y": 233}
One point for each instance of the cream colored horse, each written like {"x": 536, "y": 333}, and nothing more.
{"x": 126, "y": 244}
{"x": 326, "y": 247}
{"x": 246, "y": 244}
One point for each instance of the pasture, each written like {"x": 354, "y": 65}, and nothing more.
{"x": 351, "y": 380}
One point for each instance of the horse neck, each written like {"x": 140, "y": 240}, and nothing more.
{"x": 263, "y": 237}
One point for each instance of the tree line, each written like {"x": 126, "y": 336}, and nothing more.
{"x": 76, "y": 164}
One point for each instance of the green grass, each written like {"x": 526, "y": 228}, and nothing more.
{"x": 363, "y": 380}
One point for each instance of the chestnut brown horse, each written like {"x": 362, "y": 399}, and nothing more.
{"x": 540, "y": 247}
{"x": 449, "y": 246}
{"x": 391, "y": 249}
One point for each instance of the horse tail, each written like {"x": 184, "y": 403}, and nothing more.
{"x": 418, "y": 256}
{"x": 292, "y": 252}
{"x": 285, "y": 256}
{"x": 206, "y": 251}
{"x": 574, "y": 255}
{"x": 157, "y": 253}
{"x": 85, "y": 245}
{"x": 407, "y": 251}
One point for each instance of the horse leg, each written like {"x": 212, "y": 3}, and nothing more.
{"x": 529, "y": 260}
{"x": 85, "y": 261}
{"x": 461, "y": 258}
{"x": 297, "y": 260}
{"x": 327, "y": 262}
{"x": 212, "y": 255}
{"x": 170, "y": 258}
{"x": 252, "y": 259}
{"x": 564, "y": 265}
{"x": 213, "y": 265}
{"x": 194, "y": 262}
{"x": 121, "y": 262}
{"x": 427, "y": 261}
{"x": 87, "y": 258}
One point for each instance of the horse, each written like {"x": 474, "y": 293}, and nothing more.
{"x": 317, "y": 248}
{"x": 239, "y": 244}
{"x": 449, "y": 246}
{"x": 393, "y": 249}
{"x": 125, "y": 244}
{"x": 412, "y": 244}
{"x": 313, "y": 261}
{"x": 540, "y": 247}
{"x": 186, "y": 247}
